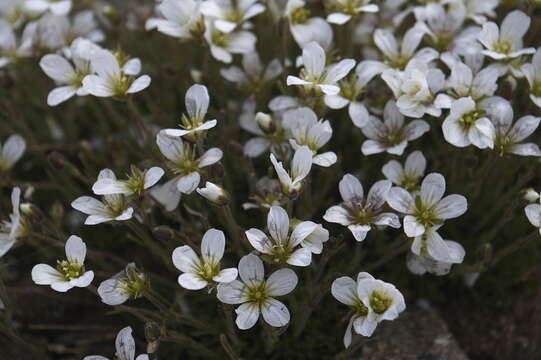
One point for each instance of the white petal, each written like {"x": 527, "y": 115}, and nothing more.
{"x": 75, "y": 250}
{"x": 301, "y": 231}
{"x": 533, "y": 213}
{"x": 351, "y": 188}
{"x": 191, "y": 281}
{"x": 132, "y": 67}
{"x": 412, "y": 227}
{"x": 300, "y": 257}
{"x": 247, "y": 315}
{"x": 125, "y": 345}
{"x": 451, "y": 206}
{"x": 337, "y": 214}
{"x": 60, "y": 94}
{"x": 400, "y": 200}
{"x": 97, "y": 86}
{"x": 210, "y": 157}
{"x": 359, "y": 232}
{"x": 313, "y": 57}
{"x": 57, "y": 68}
{"x": 213, "y": 245}
{"x": 185, "y": 259}
{"x": 141, "y": 83}
{"x": 230, "y": 293}
{"x": 281, "y": 282}
{"x": 251, "y": 269}
{"x": 275, "y": 313}
{"x": 326, "y": 159}
{"x": 197, "y": 101}
{"x": 278, "y": 223}
{"x": 344, "y": 289}
{"x": 188, "y": 183}
{"x": 226, "y": 275}
{"x": 338, "y": 18}
{"x": 84, "y": 280}
{"x": 259, "y": 240}
{"x": 13, "y": 149}
{"x": 152, "y": 176}
{"x": 112, "y": 293}
{"x": 359, "y": 114}
{"x": 43, "y": 274}
{"x": 432, "y": 189}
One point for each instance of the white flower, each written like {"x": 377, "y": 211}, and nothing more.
{"x": 392, "y": 135}
{"x": 306, "y": 29}
{"x": 125, "y": 348}
{"x": 11, "y": 50}
{"x": 197, "y": 103}
{"x": 467, "y": 125}
{"x": 69, "y": 79}
{"x": 315, "y": 75}
{"x": 409, "y": 175}
{"x": 257, "y": 295}
{"x": 129, "y": 283}
{"x": 111, "y": 207}
{"x": 431, "y": 253}
{"x": 57, "y": 7}
{"x": 111, "y": 80}
{"x": 509, "y": 135}
{"x": 300, "y": 168}
{"x": 353, "y": 89}
{"x": 137, "y": 183}
{"x": 223, "y": 45}
{"x": 427, "y": 208}
{"x": 371, "y": 300}
{"x": 13, "y": 12}
{"x": 415, "y": 88}
{"x": 505, "y": 43}
{"x": 360, "y": 214}
{"x": 396, "y": 57}
{"x": 228, "y": 14}
{"x": 68, "y": 273}
{"x": 11, "y": 151}
{"x": 477, "y": 10}
{"x": 182, "y": 19}
{"x": 533, "y": 213}
{"x": 214, "y": 193}
{"x": 253, "y": 75}
{"x": 532, "y": 72}
{"x": 183, "y": 161}
{"x": 308, "y": 131}
{"x": 462, "y": 83}
{"x": 344, "y": 10}
{"x": 201, "y": 271}
{"x": 13, "y": 229}
{"x": 282, "y": 247}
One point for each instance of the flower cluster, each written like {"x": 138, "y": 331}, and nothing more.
{"x": 287, "y": 107}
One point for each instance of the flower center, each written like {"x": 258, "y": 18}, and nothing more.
{"x": 70, "y": 270}
{"x": 425, "y": 214}
{"x": 503, "y": 46}
{"x": 380, "y": 302}
{"x": 360, "y": 309}
{"x": 300, "y": 15}
{"x": 349, "y": 89}
{"x": 468, "y": 120}
{"x": 207, "y": 270}
{"x": 257, "y": 293}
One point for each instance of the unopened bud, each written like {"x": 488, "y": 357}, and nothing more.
{"x": 531, "y": 195}
{"x": 214, "y": 193}
{"x": 264, "y": 121}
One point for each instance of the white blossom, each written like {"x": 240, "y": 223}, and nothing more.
{"x": 201, "y": 271}
{"x": 505, "y": 42}
{"x": 184, "y": 163}
{"x": 69, "y": 273}
{"x": 129, "y": 283}
{"x": 257, "y": 295}
{"x": 392, "y": 134}
{"x": 532, "y": 72}
{"x": 281, "y": 246}
{"x": 360, "y": 215}
{"x": 427, "y": 208}
{"x": 111, "y": 80}
{"x": 180, "y": 19}
{"x": 408, "y": 176}
{"x": 15, "y": 228}
{"x": 229, "y": 14}
{"x": 343, "y": 10}
{"x": 371, "y": 300}
{"x": 197, "y": 103}
{"x": 57, "y": 7}
{"x": 224, "y": 45}
{"x": 300, "y": 168}
{"x": 125, "y": 348}
{"x": 308, "y": 131}
{"x": 316, "y": 75}
{"x": 137, "y": 183}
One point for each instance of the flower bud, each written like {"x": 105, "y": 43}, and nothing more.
{"x": 214, "y": 194}
{"x": 531, "y": 195}
{"x": 264, "y": 121}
